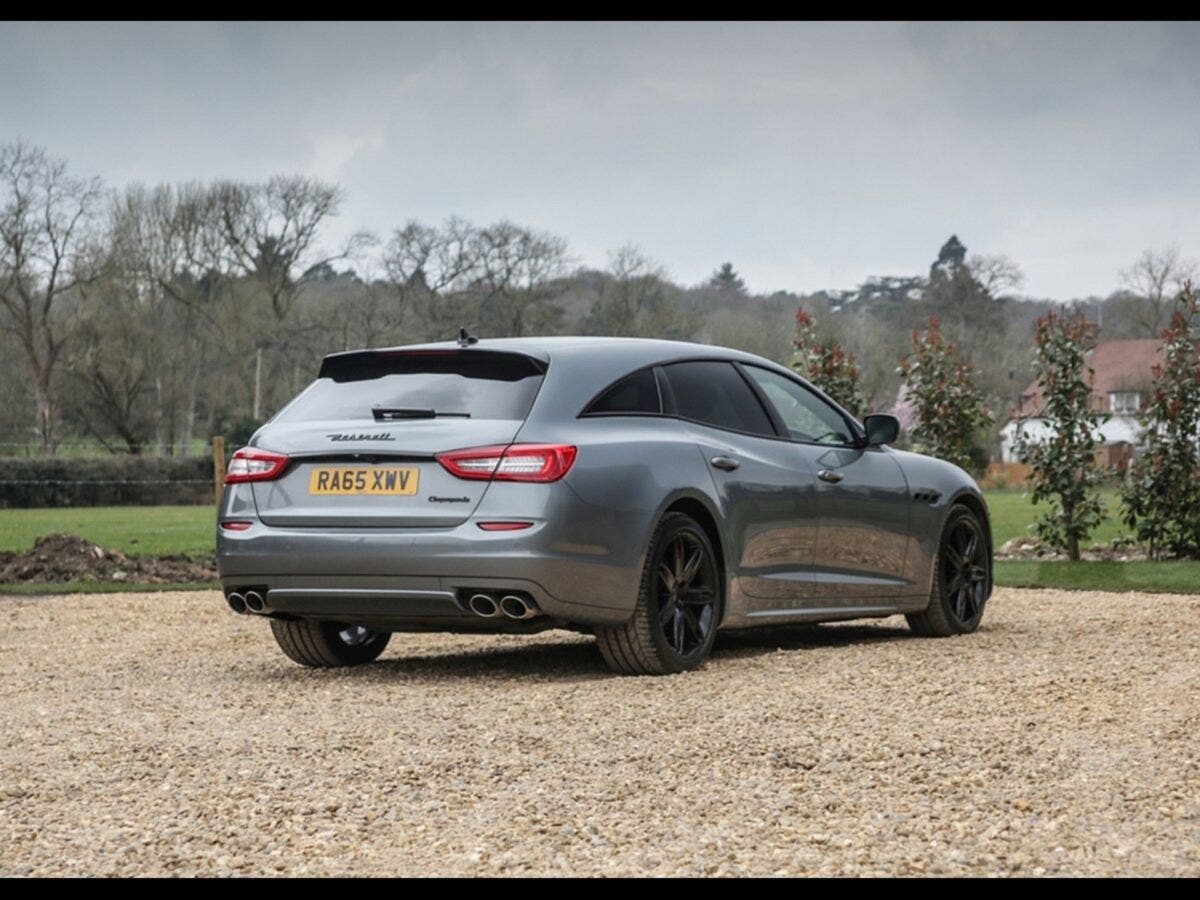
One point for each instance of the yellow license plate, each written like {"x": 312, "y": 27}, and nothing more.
{"x": 355, "y": 480}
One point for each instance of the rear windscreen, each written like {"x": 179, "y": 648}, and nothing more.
{"x": 481, "y": 384}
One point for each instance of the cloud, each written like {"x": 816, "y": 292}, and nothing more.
{"x": 809, "y": 154}
{"x": 334, "y": 152}
{"x": 1077, "y": 253}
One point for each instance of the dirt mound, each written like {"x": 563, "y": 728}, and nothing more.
{"x": 67, "y": 557}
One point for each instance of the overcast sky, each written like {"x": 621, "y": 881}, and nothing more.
{"x": 810, "y": 155}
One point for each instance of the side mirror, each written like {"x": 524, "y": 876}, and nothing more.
{"x": 881, "y": 429}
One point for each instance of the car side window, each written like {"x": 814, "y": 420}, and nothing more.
{"x": 805, "y": 415}
{"x": 714, "y": 393}
{"x": 634, "y": 394}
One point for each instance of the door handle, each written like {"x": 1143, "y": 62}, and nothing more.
{"x": 724, "y": 463}
{"x": 831, "y": 476}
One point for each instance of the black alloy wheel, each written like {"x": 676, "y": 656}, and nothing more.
{"x": 686, "y": 587}
{"x": 678, "y": 608}
{"x": 962, "y": 579}
{"x": 965, "y": 571}
{"x": 323, "y": 644}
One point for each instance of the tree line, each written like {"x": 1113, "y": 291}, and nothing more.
{"x": 145, "y": 318}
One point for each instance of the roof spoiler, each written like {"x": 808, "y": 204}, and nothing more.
{"x": 496, "y": 365}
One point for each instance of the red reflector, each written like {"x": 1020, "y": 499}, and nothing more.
{"x": 236, "y": 525}
{"x": 517, "y": 462}
{"x": 504, "y": 526}
{"x": 252, "y": 464}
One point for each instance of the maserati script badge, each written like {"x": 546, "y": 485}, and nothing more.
{"x": 382, "y": 436}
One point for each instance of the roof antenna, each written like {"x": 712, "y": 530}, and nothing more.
{"x": 466, "y": 339}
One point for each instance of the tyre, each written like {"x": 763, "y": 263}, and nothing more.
{"x": 326, "y": 644}
{"x": 962, "y": 573}
{"x": 678, "y": 605}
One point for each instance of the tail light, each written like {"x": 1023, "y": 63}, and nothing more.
{"x": 252, "y": 464}
{"x": 518, "y": 462}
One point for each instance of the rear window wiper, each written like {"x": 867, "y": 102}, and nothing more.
{"x": 385, "y": 413}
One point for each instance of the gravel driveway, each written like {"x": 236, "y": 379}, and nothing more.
{"x": 158, "y": 733}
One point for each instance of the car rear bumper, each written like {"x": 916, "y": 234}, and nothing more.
{"x": 580, "y": 567}
{"x": 421, "y": 605}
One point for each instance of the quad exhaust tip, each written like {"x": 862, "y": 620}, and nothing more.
{"x": 512, "y": 606}
{"x": 483, "y": 605}
{"x": 516, "y": 607}
{"x": 236, "y": 602}
{"x": 254, "y": 601}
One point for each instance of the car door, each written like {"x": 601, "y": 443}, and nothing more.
{"x": 767, "y": 492}
{"x": 862, "y": 496}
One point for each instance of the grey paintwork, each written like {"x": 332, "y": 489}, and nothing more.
{"x": 793, "y": 546}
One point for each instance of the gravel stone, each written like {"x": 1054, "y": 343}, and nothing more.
{"x": 159, "y": 734}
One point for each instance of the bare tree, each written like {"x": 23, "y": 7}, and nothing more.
{"x": 428, "y": 267}
{"x": 16, "y": 405}
{"x": 636, "y": 299}
{"x": 112, "y": 368}
{"x": 270, "y": 235}
{"x": 1153, "y": 283}
{"x": 47, "y": 253}
{"x": 166, "y": 247}
{"x": 270, "y": 232}
{"x": 996, "y": 274}
{"x": 459, "y": 272}
{"x": 362, "y": 314}
{"x": 517, "y": 265}
{"x": 634, "y": 281}
{"x": 743, "y": 330}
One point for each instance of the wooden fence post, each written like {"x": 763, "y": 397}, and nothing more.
{"x": 218, "y": 450}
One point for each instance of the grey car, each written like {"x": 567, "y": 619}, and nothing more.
{"x": 648, "y": 492}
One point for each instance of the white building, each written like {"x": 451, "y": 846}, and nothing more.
{"x": 1122, "y": 373}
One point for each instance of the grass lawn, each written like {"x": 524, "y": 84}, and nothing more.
{"x": 103, "y": 587}
{"x": 134, "y": 530}
{"x": 158, "y": 530}
{"x": 1169, "y": 576}
{"x": 1013, "y": 512}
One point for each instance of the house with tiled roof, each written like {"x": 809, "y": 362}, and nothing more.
{"x": 1122, "y": 373}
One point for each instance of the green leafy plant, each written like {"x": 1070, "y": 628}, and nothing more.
{"x": 827, "y": 364}
{"x": 949, "y": 407}
{"x": 1160, "y": 498}
{"x": 1063, "y": 469}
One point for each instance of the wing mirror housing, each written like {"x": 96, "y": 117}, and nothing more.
{"x": 881, "y": 429}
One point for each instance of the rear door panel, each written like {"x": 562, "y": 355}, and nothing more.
{"x": 765, "y": 486}
{"x": 771, "y": 514}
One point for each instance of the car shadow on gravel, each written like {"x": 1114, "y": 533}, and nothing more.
{"x": 573, "y": 660}
{"x": 570, "y": 660}
{"x": 754, "y": 641}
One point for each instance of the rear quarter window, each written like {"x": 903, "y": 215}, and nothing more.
{"x": 636, "y": 394}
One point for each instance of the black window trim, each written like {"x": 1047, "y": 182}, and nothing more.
{"x": 669, "y": 406}
{"x": 666, "y": 402}
{"x": 777, "y": 420}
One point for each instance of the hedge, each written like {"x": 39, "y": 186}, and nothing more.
{"x": 105, "y": 481}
